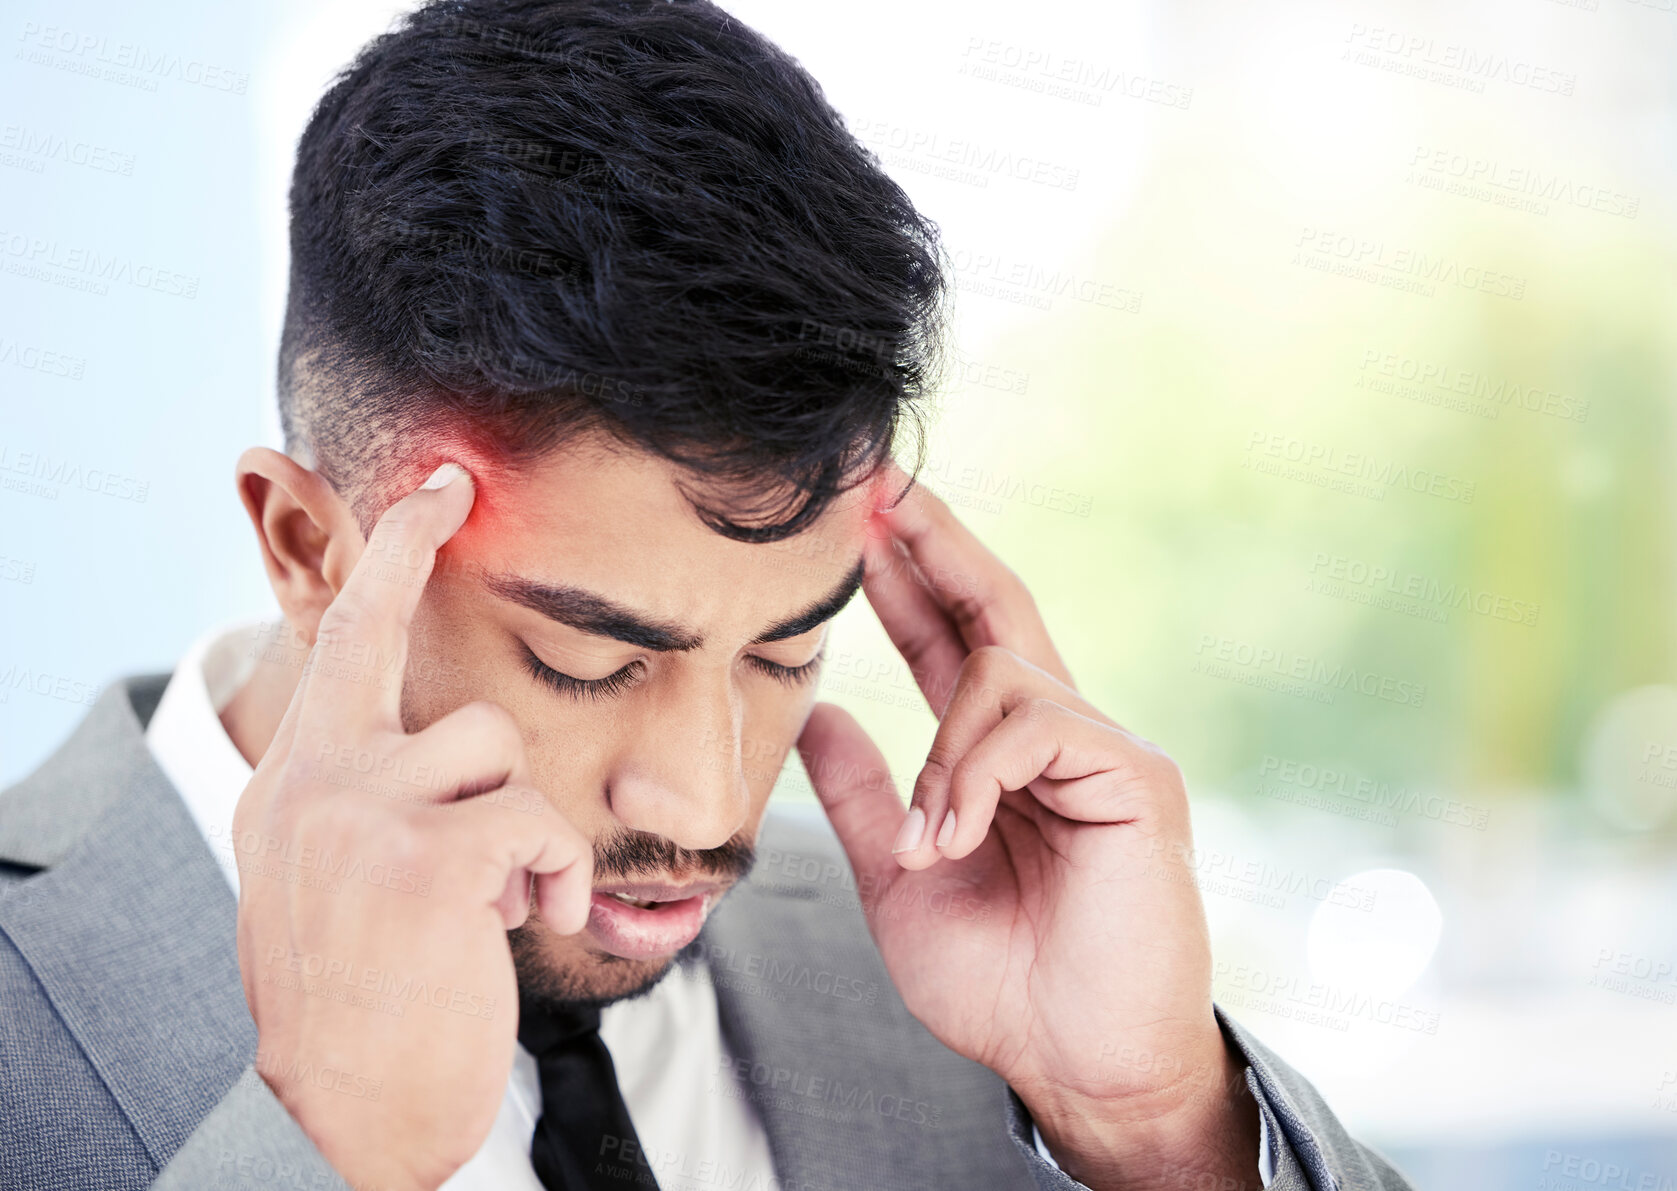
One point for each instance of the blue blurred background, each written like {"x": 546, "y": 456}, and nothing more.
{"x": 1316, "y": 367}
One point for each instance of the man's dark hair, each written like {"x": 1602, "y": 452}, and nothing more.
{"x": 522, "y": 219}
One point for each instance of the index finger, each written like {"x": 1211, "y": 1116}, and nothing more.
{"x": 984, "y": 601}
{"x": 354, "y": 673}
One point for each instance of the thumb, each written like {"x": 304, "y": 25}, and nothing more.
{"x": 852, "y": 781}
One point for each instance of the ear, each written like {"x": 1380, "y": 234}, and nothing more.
{"x": 309, "y": 536}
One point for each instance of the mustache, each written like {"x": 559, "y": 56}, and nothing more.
{"x": 627, "y": 853}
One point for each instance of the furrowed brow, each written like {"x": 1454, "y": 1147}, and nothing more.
{"x": 818, "y": 613}
{"x": 589, "y": 612}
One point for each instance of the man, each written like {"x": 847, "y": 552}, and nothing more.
{"x": 600, "y": 331}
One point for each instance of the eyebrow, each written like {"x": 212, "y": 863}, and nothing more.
{"x": 589, "y": 612}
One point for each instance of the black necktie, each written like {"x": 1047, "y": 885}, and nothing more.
{"x": 584, "y": 1140}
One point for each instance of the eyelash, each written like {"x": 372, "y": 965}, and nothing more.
{"x": 790, "y": 675}
{"x": 612, "y": 685}
{"x": 592, "y": 689}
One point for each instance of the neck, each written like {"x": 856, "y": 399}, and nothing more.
{"x": 253, "y": 715}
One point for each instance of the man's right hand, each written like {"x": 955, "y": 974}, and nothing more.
{"x": 379, "y": 874}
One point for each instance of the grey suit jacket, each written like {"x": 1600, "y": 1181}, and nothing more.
{"x": 127, "y": 1049}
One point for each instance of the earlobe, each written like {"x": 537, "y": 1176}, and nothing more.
{"x": 307, "y": 533}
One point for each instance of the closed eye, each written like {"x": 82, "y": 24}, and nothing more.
{"x": 592, "y": 689}
{"x": 790, "y": 675}
{"x": 612, "y": 685}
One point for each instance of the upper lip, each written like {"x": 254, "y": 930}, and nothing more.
{"x": 649, "y": 891}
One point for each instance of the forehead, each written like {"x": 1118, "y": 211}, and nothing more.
{"x": 616, "y": 521}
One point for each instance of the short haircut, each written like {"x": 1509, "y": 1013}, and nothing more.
{"x": 519, "y": 220}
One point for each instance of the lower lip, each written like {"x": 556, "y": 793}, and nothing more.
{"x": 632, "y": 933}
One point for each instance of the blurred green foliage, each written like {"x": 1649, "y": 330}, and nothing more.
{"x": 1152, "y": 416}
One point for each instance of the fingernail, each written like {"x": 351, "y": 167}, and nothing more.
{"x": 947, "y": 831}
{"x": 911, "y": 832}
{"x": 444, "y": 476}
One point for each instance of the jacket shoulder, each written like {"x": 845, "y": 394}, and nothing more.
{"x": 43, "y": 816}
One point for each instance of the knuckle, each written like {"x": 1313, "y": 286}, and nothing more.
{"x": 1040, "y": 707}
{"x": 935, "y": 774}
{"x": 1167, "y": 772}
{"x": 985, "y": 673}
{"x": 964, "y": 777}
{"x": 988, "y": 660}
{"x": 991, "y": 609}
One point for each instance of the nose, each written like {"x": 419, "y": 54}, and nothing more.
{"x": 680, "y": 773}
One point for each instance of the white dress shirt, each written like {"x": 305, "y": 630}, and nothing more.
{"x": 666, "y": 1046}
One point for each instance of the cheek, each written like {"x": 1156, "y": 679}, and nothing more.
{"x": 773, "y": 717}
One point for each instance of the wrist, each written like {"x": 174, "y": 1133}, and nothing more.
{"x": 1199, "y": 1130}
{"x": 347, "y": 1143}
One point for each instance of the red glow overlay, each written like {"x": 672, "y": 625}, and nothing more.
{"x": 494, "y": 480}
{"x": 882, "y": 498}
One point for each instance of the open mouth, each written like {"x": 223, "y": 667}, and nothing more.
{"x": 649, "y": 921}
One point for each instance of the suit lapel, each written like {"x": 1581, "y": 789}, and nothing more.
{"x": 130, "y": 930}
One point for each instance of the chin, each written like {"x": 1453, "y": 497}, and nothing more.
{"x": 566, "y": 970}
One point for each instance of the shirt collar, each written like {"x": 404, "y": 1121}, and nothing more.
{"x": 188, "y": 741}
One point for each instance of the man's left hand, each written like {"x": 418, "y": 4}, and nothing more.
{"x": 1036, "y": 907}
